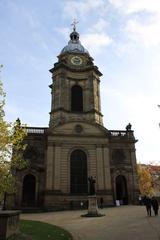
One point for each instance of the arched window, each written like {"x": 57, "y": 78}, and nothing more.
{"x": 29, "y": 190}
{"x": 76, "y": 99}
{"x": 78, "y": 171}
{"x": 121, "y": 189}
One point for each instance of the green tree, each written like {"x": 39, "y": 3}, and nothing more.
{"x": 11, "y": 149}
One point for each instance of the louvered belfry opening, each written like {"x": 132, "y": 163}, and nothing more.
{"x": 76, "y": 99}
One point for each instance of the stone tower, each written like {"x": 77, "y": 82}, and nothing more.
{"x": 75, "y": 87}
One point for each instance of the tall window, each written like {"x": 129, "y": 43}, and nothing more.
{"x": 78, "y": 171}
{"x": 76, "y": 99}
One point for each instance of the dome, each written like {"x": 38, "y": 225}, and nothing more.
{"x": 74, "y": 45}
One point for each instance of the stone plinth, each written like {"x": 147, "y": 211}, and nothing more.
{"x": 9, "y": 224}
{"x": 92, "y": 207}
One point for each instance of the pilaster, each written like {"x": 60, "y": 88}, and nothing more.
{"x": 57, "y": 167}
{"x": 49, "y": 177}
{"x": 100, "y": 179}
{"x": 134, "y": 167}
{"x": 135, "y": 176}
{"x": 107, "y": 174}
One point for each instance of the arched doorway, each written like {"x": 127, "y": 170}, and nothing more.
{"x": 78, "y": 173}
{"x": 29, "y": 191}
{"x": 76, "y": 99}
{"x": 121, "y": 189}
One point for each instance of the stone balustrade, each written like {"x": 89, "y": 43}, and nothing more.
{"x": 120, "y": 133}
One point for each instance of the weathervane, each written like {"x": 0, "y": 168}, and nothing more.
{"x": 74, "y": 24}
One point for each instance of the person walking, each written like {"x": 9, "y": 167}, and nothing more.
{"x": 148, "y": 204}
{"x": 155, "y": 205}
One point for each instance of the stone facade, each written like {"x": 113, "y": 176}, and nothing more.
{"x": 76, "y": 145}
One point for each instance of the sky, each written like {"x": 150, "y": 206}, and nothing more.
{"x": 123, "y": 37}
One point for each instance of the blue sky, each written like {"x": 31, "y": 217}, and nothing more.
{"x": 123, "y": 37}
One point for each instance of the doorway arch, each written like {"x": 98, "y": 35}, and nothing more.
{"x": 78, "y": 172}
{"x": 121, "y": 189}
{"x": 29, "y": 191}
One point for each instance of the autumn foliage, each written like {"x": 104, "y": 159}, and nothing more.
{"x": 149, "y": 179}
{"x": 154, "y": 170}
{"x": 11, "y": 149}
{"x": 145, "y": 181}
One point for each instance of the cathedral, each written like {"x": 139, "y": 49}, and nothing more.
{"x": 76, "y": 145}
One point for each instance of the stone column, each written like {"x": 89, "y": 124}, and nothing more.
{"x": 107, "y": 174}
{"x": 99, "y": 97}
{"x": 68, "y": 95}
{"x": 100, "y": 171}
{"x": 49, "y": 175}
{"x": 57, "y": 167}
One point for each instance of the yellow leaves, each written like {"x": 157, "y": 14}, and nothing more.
{"x": 145, "y": 180}
{"x": 4, "y": 139}
{"x": 7, "y": 182}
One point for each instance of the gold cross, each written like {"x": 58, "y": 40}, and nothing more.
{"x": 74, "y": 24}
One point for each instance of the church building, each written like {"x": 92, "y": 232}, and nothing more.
{"x": 76, "y": 145}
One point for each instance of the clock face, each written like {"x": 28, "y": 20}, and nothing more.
{"x": 76, "y": 60}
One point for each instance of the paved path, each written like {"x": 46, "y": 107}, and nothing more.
{"x": 119, "y": 223}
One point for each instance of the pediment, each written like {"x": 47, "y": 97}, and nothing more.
{"x": 80, "y": 128}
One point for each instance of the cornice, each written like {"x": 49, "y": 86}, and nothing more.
{"x": 75, "y": 69}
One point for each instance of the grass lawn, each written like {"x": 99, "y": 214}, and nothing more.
{"x": 34, "y": 230}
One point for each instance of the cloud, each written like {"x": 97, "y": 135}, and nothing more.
{"x": 100, "y": 26}
{"x": 143, "y": 5}
{"x": 82, "y": 8}
{"x": 130, "y": 6}
{"x": 147, "y": 34}
{"x": 29, "y": 16}
{"x": 142, "y": 22}
{"x": 96, "y": 39}
{"x": 64, "y": 31}
{"x": 11, "y": 111}
{"x": 95, "y": 42}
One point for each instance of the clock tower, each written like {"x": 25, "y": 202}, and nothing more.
{"x": 76, "y": 86}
